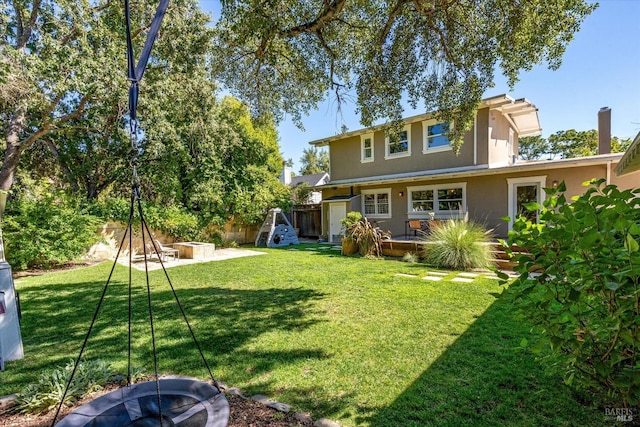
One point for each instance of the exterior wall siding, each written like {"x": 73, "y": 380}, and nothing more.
{"x": 486, "y": 195}
{"x": 499, "y": 152}
{"x": 346, "y": 156}
{"x": 482, "y": 121}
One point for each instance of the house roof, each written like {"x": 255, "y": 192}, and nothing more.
{"x": 341, "y": 198}
{"x": 313, "y": 180}
{"x": 630, "y": 162}
{"x": 479, "y": 170}
{"x": 521, "y": 114}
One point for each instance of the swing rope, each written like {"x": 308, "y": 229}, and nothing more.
{"x": 135, "y": 74}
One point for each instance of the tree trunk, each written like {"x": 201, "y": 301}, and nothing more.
{"x": 14, "y": 148}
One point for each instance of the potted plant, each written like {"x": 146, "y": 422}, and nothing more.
{"x": 349, "y": 245}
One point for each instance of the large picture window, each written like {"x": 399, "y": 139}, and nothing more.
{"x": 445, "y": 200}
{"x": 400, "y": 144}
{"x": 366, "y": 142}
{"x": 376, "y": 203}
{"x": 436, "y": 136}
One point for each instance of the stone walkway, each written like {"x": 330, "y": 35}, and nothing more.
{"x": 454, "y": 276}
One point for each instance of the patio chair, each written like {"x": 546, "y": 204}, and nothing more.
{"x": 415, "y": 226}
{"x": 165, "y": 251}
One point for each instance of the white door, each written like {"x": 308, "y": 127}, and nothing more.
{"x": 337, "y": 211}
{"x": 522, "y": 191}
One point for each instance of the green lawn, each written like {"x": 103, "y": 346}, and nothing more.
{"x": 339, "y": 337}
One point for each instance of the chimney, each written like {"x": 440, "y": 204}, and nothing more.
{"x": 285, "y": 177}
{"x": 604, "y": 130}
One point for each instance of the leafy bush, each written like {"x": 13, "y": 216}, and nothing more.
{"x": 351, "y": 219}
{"x": 47, "y": 393}
{"x": 458, "y": 245}
{"x": 171, "y": 220}
{"x": 584, "y": 303}
{"x": 366, "y": 236}
{"x": 47, "y": 229}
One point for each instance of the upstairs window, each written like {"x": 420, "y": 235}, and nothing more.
{"x": 366, "y": 143}
{"x": 400, "y": 144}
{"x": 377, "y": 203}
{"x": 436, "y": 136}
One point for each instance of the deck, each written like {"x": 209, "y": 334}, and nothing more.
{"x": 399, "y": 247}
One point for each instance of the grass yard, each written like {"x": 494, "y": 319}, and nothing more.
{"x": 339, "y": 337}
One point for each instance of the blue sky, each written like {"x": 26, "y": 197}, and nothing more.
{"x": 600, "y": 68}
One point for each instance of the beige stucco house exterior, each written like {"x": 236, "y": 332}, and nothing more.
{"x": 418, "y": 175}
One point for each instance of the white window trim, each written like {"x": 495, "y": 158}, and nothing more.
{"x": 375, "y": 191}
{"x": 362, "y": 158}
{"x": 511, "y": 184}
{"x": 425, "y": 138}
{"x": 407, "y": 153}
{"x": 438, "y": 213}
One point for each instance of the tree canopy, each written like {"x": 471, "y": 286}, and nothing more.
{"x": 533, "y": 147}
{"x": 64, "y": 105}
{"x": 567, "y": 144}
{"x": 313, "y": 161}
{"x": 283, "y": 57}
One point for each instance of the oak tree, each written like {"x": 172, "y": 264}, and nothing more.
{"x": 284, "y": 56}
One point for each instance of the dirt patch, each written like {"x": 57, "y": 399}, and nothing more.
{"x": 60, "y": 267}
{"x": 242, "y": 413}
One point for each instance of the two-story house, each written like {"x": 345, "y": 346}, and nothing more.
{"x": 418, "y": 176}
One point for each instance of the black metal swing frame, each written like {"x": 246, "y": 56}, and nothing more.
{"x": 135, "y": 74}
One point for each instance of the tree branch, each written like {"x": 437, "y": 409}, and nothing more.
{"x": 330, "y": 9}
{"x": 46, "y": 127}
{"x": 391, "y": 19}
{"x": 24, "y": 33}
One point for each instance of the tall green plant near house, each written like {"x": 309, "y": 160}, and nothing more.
{"x": 458, "y": 245}
{"x": 585, "y": 303}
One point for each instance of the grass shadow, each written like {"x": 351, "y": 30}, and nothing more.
{"x": 56, "y": 318}
{"x": 483, "y": 379}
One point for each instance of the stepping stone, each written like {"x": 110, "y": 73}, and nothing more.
{"x": 432, "y": 278}
{"x": 437, "y": 273}
{"x": 310, "y": 249}
{"x": 491, "y": 277}
{"x": 462, "y": 279}
{"x": 324, "y": 248}
{"x": 405, "y": 275}
{"x": 282, "y": 407}
{"x": 337, "y": 248}
{"x": 468, "y": 274}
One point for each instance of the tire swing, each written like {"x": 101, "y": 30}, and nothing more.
{"x": 183, "y": 402}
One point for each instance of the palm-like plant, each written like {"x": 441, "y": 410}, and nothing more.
{"x": 367, "y": 237}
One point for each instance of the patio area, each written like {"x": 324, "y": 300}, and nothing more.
{"x": 209, "y": 256}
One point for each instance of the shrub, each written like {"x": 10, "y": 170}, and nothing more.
{"x": 366, "y": 236}
{"x": 410, "y": 257}
{"x": 458, "y": 245}
{"x": 352, "y": 218}
{"x": 47, "y": 229}
{"x": 584, "y": 303}
{"x": 47, "y": 393}
{"x": 173, "y": 221}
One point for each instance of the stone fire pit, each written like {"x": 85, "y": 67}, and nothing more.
{"x": 195, "y": 250}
